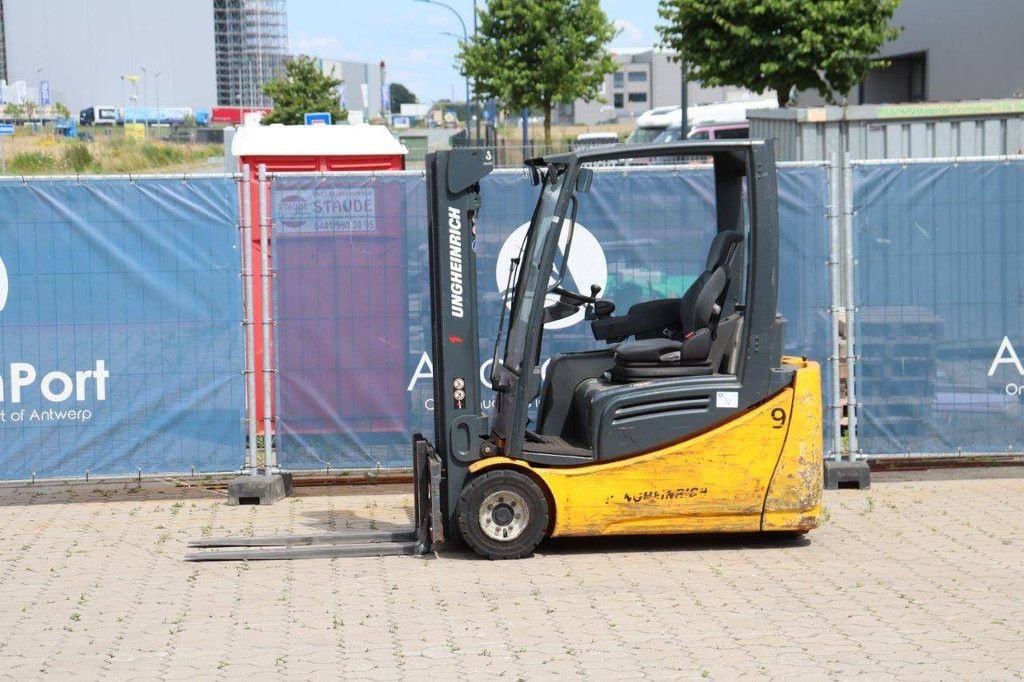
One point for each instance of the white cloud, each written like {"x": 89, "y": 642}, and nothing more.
{"x": 628, "y": 32}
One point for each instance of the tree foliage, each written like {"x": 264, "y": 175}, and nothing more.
{"x": 304, "y": 89}
{"x": 12, "y": 110}
{"x": 61, "y": 110}
{"x": 823, "y": 45}
{"x": 400, "y": 95}
{"x": 533, "y": 54}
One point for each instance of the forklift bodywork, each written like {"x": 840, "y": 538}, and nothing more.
{"x": 688, "y": 420}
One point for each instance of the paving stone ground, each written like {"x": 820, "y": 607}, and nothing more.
{"x": 909, "y": 580}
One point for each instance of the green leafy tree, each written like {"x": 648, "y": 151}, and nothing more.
{"x": 824, "y": 45}
{"x": 400, "y": 95}
{"x": 29, "y": 107}
{"x": 303, "y": 89}
{"x": 12, "y": 110}
{"x": 534, "y": 54}
{"x": 61, "y": 110}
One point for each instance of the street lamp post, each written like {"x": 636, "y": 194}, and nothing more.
{"x": 134, "y": 80}
{"x": 476, "y": 84}
{"x": 465, "y": 39}
{"x": 145, "y": 100}
{"x": 39, "y": 93}
{"x": 156, "y": 80}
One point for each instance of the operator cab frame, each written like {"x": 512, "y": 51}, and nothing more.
{"x": 673, "y": 367}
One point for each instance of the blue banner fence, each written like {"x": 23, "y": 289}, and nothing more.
{"x": 939, "y": 307}
{"x": 121, "y": 345}
{"x": 120, "y": 330}
{"x": 352, "y": 292}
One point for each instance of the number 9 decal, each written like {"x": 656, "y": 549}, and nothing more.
{"x": 779, "y": 417}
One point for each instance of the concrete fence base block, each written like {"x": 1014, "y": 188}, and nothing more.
{"x": 847, "y": 474}
{"x": 259, "y": 489}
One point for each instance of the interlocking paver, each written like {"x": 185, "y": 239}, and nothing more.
{"x": 909, "y": 580}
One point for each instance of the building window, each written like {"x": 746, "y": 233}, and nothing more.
{"x": 638, "y": 97}
{"x": 618, "y": 80}
{"x": 637, "y": 76}
{"x": 902, "y": 81}
{"x": 618, "y": 100}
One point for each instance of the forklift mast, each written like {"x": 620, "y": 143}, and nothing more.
{"x": 453, "y": 201}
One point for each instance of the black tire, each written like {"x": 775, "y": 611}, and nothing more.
{"x": 503, "y": 514}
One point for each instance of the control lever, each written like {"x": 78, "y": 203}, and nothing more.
{"x": 597, "y": 309}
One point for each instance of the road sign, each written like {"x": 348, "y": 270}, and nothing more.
{"x": 6, "y": 128}
{"x": 317, "y": 118}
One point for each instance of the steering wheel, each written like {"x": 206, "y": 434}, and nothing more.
{"x": 574, "y": 297}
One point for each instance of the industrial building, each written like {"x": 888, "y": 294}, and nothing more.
{"x": 937, "y": 57}
{"x": 360, "y": 88}
{"x": 646, "y": 78}
{"x": 948, "y": 50}
{"x": 194, "y": 53}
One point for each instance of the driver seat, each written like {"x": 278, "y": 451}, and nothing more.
{"x": 674, "y": 318}
{"x": 700, "y": 310}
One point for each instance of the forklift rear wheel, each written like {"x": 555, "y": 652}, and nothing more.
{"x": 503, "y": 514}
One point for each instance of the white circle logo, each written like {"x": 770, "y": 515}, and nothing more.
{"x": 3, "y": 284}
{"x": 587, "y": 265}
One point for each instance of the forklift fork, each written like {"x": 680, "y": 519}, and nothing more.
{"x": 428, "y": 529}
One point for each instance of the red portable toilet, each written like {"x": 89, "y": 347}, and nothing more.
{"x": 299, "y": 149}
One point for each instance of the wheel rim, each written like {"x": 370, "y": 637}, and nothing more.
{"x": 504, "y": 516}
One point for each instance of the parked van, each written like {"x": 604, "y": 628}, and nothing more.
{"x": 652, "y": 123}
{"x": 724, "y": 113}
{"x": 727, "y": 131}
{"x": 725, "y": 116}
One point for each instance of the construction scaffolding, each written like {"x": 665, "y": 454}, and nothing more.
{"x": 251, "y": 40}
{"x": 3, "y": 45}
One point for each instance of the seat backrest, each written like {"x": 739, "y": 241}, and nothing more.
{"x": 697, "y": 307}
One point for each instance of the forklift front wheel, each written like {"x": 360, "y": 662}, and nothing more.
{"x": 503, "y": 514}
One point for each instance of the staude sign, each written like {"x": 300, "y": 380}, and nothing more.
{"x": 329, "y": 210}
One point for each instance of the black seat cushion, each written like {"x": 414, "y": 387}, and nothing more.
{"x": 633, "y": 373}
{"x": 677, "y": 317}
{"x": 653, "y": 352}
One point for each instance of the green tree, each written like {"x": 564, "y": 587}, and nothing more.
{"x": 61, "y": 110}
{"x": 824, "y": 45}
{"x": 534, "y": 54}
{"x": 400, "y": 95}
{"x": 303, "y": 89}
{"x": 13, "y": 111}
{"x": 29, "y": 107}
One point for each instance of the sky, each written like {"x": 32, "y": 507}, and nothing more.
{"x": 410, "y": 36}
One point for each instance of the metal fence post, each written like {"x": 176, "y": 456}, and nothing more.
{"x": 268, "y": 434}
{"x": 248, "y": 320}
{"x": 851, "y": 308}
{"x": 835, "y": 306}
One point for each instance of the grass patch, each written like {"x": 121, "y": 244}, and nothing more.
{"x": 78, "y": 158}
{"x": 28, "y": 163}
{"x": 161, "y": 154}
{"x": 45, "y": 154}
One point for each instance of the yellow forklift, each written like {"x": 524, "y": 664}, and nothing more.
{"x": 689, "y": 420}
